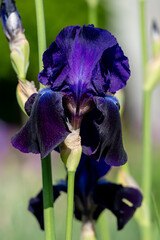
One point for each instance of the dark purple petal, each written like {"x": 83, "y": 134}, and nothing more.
{"x": 87, "y": 175}
{"x": 118, "y": 66}
{"x": 113, "y": 197}
{"x": 46, "y": 128}
{"x": 29, "y": 103}
{"x": 85, "y": 59}
{"x": 89, "y": 133}
{"x": 101, "y": 132}
{"x": 36, "y": 203}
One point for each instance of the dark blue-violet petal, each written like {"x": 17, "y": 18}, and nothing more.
{"x": 101, "y": 132}
{"x": 46, "y": 127}
{"x": 87, "y": 175}
{"x": 113, "y": 197}
{"x": 90, "y": 137}
{"x": 114, "y": 60}
{"x": 29, "y": 103}
{"x": 36, "y": 203}
{"x": 80, "y": 61}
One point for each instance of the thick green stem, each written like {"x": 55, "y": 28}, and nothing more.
{"x": 102, "y": 225}
{"x": 48, "y": 198}
{"x": 146, "y": 174}
{"x": 46, "y": 162}
{"x": 147, "y": 146}
{"x": 70, "y": 202}
{"x": 40, "y": 32}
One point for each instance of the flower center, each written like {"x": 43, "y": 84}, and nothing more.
{"x": 75, "y": 109}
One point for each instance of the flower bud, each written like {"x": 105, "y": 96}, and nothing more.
{"x": 13, "y": 30}
{"x": 71, "y": 149}
{"x": 11, "y": 20}
{"x": 152, "y": 73}
{"x": 156, "y": 39}
{"x": 24, "y": 91}
{"x": 88, "y": 232}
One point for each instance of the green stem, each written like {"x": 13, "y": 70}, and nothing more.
{"x": 143, "y": 33}
{"x": 40, "y": 32}
{"x": 70, "y": 202}
{"x": 46, "y": 162}
{"x": 48, "y": 198}
{"x": 102, "y": 225}
{"x": 147, "y": 146}
{"x": 146, "y": 174}
{"x": 92, "y": 15}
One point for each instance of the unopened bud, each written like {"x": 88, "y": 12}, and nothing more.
{"x": 88, "y": 232}
{"x": 156, "y": 39}
{"x": 11, "y": 20}
{"x": 71, "y": 150}
{"x": 152, "y": 73}
{"x": 24, "y": 91}
{"x": 13, "y": 30}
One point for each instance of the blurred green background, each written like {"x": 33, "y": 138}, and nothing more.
{"x": 20, "y": 174}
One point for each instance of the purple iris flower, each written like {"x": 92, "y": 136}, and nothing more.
{"x": 94, "y": 194}
{"x": 82, "y": 67}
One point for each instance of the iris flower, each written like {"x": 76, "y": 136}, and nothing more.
{"x": 83, "y": 68}
{"x": 94, "y": 194}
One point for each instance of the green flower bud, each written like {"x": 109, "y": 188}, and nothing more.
{"x": 152, "y": 73}
{"x": 20, "y": 55}
{"x": 71, "y": 150}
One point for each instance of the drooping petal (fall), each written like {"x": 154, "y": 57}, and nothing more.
{"x": 92, "y": 195}
{"x": 46, "y": 127}
{"x": 122, "y": 201}
{"x": 101, "y": 132}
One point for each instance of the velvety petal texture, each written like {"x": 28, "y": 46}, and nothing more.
{"x": 101, "y": 132}
{"x": 85, "y": 59}
{"x": 80, "y": 67}
{"x": 87, "y": 174}
{"x": 93, "y": 194}
{"x": 46, "y": 127}
{"x": 122, "y": 201}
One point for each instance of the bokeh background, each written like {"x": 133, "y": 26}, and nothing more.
{"x": 20, "y": 174}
